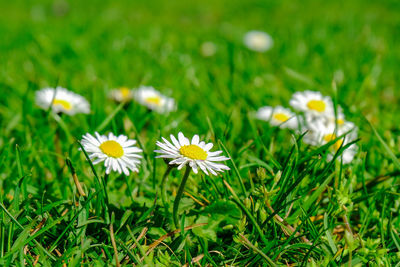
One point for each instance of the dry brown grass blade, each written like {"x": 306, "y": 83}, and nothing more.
{"x": 194, "y": 260}
{"x": 114, "y": 245}
{"x": 292, "y": 230}
{"x": 195, "y": 199}
{"x": 158, "y": 241}
{"x": 59, "y": 255}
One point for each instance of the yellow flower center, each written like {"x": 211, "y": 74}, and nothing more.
{"x": 340, "y": 121}
{"x": 125, "y": 93}
{"x": 64, "y": 104}
{"x": 112, "y": 149}
{"x": 280, "y": 117}
{"x": 156, "y": 100}
{"x": 330, "y": 137}
{"x": 317, "y": 105}
{"x": 193, "y": 152}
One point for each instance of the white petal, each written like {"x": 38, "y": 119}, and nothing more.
{"x": 195, "y": 140}
{"x": 183, "y": 140}
{"x": 208, "y": 146}
{"x": 176, "y": 143}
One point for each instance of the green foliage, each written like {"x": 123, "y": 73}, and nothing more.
{"x": 282, "y": 202}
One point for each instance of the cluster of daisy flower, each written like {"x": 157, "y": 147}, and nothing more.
{"x": 146, "y": 96}
{"x": 318, "y": 119}
{"x": 61, "y": 100}
{"x": 119, "y": 153}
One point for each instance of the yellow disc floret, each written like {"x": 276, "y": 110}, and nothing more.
{"x": 112, "y": 149}
{"x": 193, "y": 152}
{"x": 156, "y": 100}
{"x": 340, "y": 121}
{"x": 317, "y": 105}
{"x": 281, "y": 117}
{"x": 64, "y": 104}
{"x": 125, "y": 93}
{"x": 330, "y": 137}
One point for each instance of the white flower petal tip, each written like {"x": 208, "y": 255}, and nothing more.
{"x": 118, "y": 153}
{"x": 258, "y": 41}
{"x": 61, "y": 100}
{"x": 184, "y": 151}
{"x": 121, "y": 95}
{"x": 154, "y": 100}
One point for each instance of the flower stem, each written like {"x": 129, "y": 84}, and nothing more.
{"x": 164, "y": 188}
{"x": 105, "y": 180}
{"x": 57, "y": 146}
{"x": 75, "y": 177}
{"x": 179, "y": 196}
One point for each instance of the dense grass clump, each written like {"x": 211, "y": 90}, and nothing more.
{"x": 283, "y": 201}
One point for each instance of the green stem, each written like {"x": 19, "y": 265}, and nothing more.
{"x": 105, "y": 180}
{"x": 164, "y": 188}
{"x": 129, "y": 188}
{"x": 179, "y": 196}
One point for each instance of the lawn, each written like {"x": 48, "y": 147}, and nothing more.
{"x": 283, "y": 201}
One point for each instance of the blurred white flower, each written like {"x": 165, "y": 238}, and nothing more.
{"x": 322, "y": 132}
{"x": 208, "y": 49}
{"x": 312, "y": 103}
{"x": 118, "y": 153}
{"x": 258, "y": 41}
{"x": 154, "y": 100}
{"x": 195, "y": 153}
{"x": 60, "y": 100}
{"x": 278, "y": 116}
{"x": 122, "y": 94}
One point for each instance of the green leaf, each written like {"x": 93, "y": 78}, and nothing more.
{"x": 229, "y": 211}
{"x": 208, "y": 231}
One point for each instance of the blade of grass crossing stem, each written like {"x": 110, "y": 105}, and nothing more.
{"x": 234, "y": 167}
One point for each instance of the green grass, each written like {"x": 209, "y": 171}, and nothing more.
{"x": 281, "y": 203}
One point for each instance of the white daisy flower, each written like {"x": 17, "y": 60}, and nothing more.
{"x": 278, "y": 116}
{"x": 61, "y": 101}
{"x": 123, "y": 94}
{"x": 118, "y": 152}
{"x": 154, "y": 100}
{"x": 195, "y": 153}
{"x": 313, "y": 103}
{"x": 208, "y": 49}
{"x": 258, "y": 41}
{"x": 321, "y": 133}
{"x": 338, "y": 119}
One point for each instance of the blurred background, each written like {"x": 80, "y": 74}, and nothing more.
{"x": 89, "y": 46}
